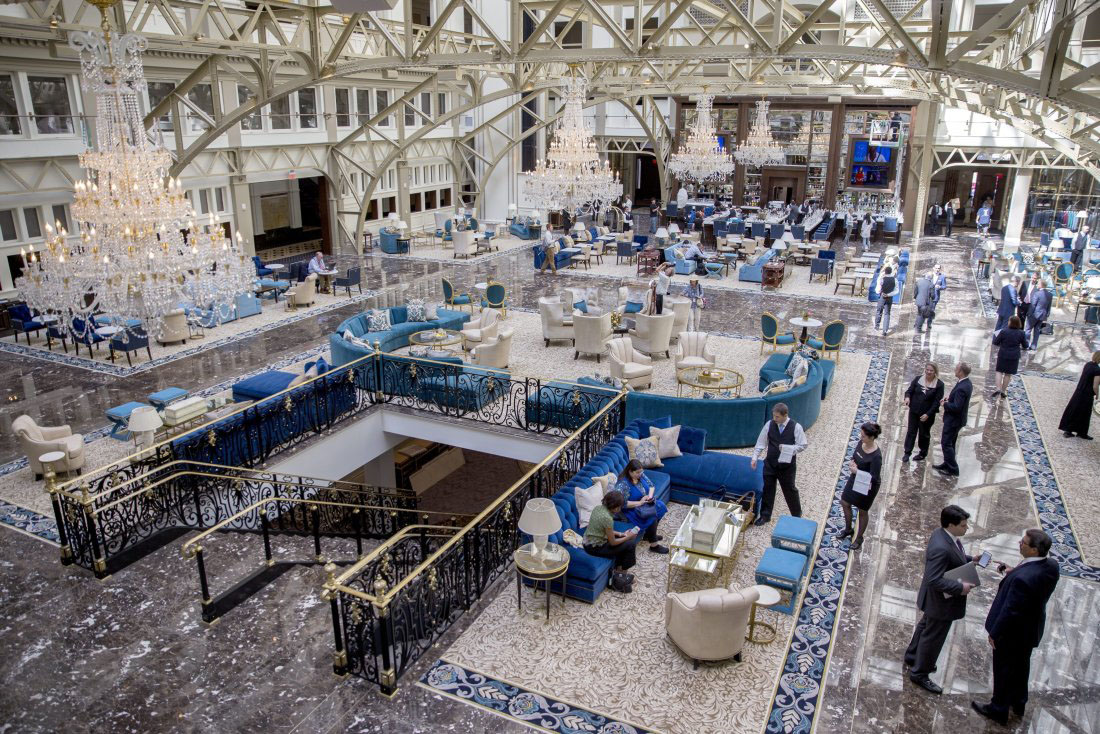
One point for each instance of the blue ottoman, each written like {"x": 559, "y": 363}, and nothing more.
{"x": 161, "y": 398}
{"x": 782, "y": 570}
{"x": 714, "y": 270}
{"x": 794, "y": 534}
{"x": 120, "y": 416}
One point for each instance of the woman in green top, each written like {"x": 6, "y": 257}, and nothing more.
{"x": 601, "y": 539}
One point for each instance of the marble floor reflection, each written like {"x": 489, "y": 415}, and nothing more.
{"x": 129, "y": 653}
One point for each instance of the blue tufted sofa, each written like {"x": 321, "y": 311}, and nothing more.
{"x": 755, "y": 273}
{"x": 561, "y": 259}
{"x": 775, "y": 368}
{"x": 683, "y": 266}
{"x": 344, "y": 351}
{"x": 525, "y": 229}
{"x": 732, "y": 422}
{"x": 698, "y": 473}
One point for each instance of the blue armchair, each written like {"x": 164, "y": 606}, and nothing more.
{"x": 261, "y": 269}
{"x": 354, "y": 277}
{"x": 624, "y": 249}
{"x": 128, "y": 341}
{"x": 456, "y": 299}
{"x": 683, "y": 267}
{"x": 769, "y": 333}
{"x": 84, "y": 333}
{"x": 247, "y": 305}
{"x": 388, "y": 241}
{"x": 22, "y": 321}
{"x": 754, "y": 272}
{"x": 735, "y": 227}
{"x": 59, "y": 332}
{"x": 496, "y": 297}
{"x": 758, "y": 230}
{"x": 831, "y": 340}
{"x": 777, "y": 231}
{"x": 798, "y": 232}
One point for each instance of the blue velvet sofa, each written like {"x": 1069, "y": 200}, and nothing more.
{"x": 732, "y": 422}
{"x": 775, "y": 368}
{"x": 343, "y": 351}
{"x": 461, "y": 388}
{"x": 389, "y": 244}
{"x": 755, "y": 273}
{"x": 247, "y": 305}
{"x": 561, "y": 259}
{"x": 525, "y": 229}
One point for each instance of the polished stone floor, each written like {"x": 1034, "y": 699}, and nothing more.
{"x": 130, "y": 654}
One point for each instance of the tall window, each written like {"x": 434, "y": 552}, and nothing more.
{"x": 410, "y": 115}
{"x": 307, "y": 108}
{"x": 61, "y": 216}
{"x": 529, "y": 147}
{"x": 158, "y": 91}
{"x": 426, "y": 103}
{"x": 7, "y": 225}
{"x": 280, "y": 113}
{"x": 50, "y": 104}
{"x": 362, "y": 105}
{"x": 382, "y": 101}
{"x": 9, "y": 109}
{"x": 440, "y": 104}
{"x": 343, "y": 107}
{"x": 254, "y": 121}
{"x": 33, "y": 222}
{"x": 202, "y": 97}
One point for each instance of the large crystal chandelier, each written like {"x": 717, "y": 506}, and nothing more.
{"x": 760, "y": 148}
{"x": 139, "y": 254}
{"x": 701, "y": 158}
{"x": 573, "y": 175}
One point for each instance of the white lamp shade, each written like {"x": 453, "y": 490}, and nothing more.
{"x": 393, "y": 216}
{"x": 578, "y": 227}
{"x": 144, "y": 419}
{"x": 539, "y": 517}
{"x": 402, "y": 225}
{"x": 661, "y": 233}
{"x": 512, "y": 208}
{"x": 674, "y": 228}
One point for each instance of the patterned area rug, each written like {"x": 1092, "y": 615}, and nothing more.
{"x": 613, "y": 656}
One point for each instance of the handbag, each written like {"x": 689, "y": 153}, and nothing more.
{"x": 646, "y": 512}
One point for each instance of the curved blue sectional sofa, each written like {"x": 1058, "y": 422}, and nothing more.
{"x": 736, "y": 422}
{"x": 344, "y": 351}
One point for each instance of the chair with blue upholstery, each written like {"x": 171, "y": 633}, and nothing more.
{"x": 391, "y": 242}
{"x": 736, "y": 227}
{"x": 889, "y": 227}
{"x": 777, "y": 231}
{"x": 130, "y": 340}
{"x": 246, "y": 304}
{"x": 827, "y": 255}
{"x": 353, "y": 278}
{"x": 456, "y": 299}
{"x": 708, "y": 210}
{"x": 759, "y": 230}
{"x": 59, "y": 332}
{"x": 23, "y": 322}
{"x": 690, "y": 221}
{"x": 769, "y": 333}
{"x": 831, "y": 340}
{"x": 84, "y": 333}
{"x": 448, "y": 235}
{"x": 783, "y": 570}
{"x": 624, "y": 249}
{"x": 496, "y": 296}
{"x": 261, "y": 269}
{"x": 674, "y": 255}
{"x": 798, "y": 232}
{"x": 1044, "y": 240}
{"x": 821, "y": 266}
{"x": 671, "y": 210}
{"x": 794, "y": 534}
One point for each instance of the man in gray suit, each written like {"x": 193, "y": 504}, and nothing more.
{"x": 925, "y": 301}
{"x": 941, "y": 600}
{"x": 1037, "y": 311}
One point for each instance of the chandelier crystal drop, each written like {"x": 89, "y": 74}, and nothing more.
{"x": 760, "y": 148}
{"x": 573, "y": 175}
{"x": 701, "y": 158}
{"x": 139, "y": 254}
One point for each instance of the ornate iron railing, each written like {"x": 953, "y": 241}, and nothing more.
{"x": 392, "y": 606}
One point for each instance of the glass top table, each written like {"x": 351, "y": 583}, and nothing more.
{"x": 709, "y": 379}
{"x": 709, "y": 559}
{"x": 436, "y": 337}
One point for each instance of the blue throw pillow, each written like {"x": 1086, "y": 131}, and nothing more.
{"x": 632, "y": 307}
{"x": 692, "y": 440}
{"x": 581, "y": 306}
{"x": 645, "y": 424}
{"x": 322, "y": 365}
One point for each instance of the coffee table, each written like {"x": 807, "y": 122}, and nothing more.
{"x": 862, "y": 275}
{"x": 710, "y": 560}
{"x": 709, "y": 379}
{"x": 436, "y": 338}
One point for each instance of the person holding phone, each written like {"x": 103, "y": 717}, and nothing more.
{"x": 603, "y": 540}
{"x": 642, "y": 508}
{"x": 866, "y": 458}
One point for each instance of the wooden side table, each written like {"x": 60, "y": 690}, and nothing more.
{"x": 772, "y": 275}
{"x": 551, "y": 564}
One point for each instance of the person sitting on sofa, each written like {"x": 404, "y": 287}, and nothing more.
{"x": 641, "y": 507}
{"x": 550, "y": 248}
{"x": 602, "y": 540}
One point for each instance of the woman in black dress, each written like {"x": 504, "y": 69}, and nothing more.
{"x": 1011, "y": 340}
{"x": 866, "y": 458}
{"x": 923, "y": 400}
{"x": 1075, "y": 418}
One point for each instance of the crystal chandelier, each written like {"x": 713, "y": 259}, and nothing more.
{"x": 760, "y": 148}
{"x": 701, "y": 158}
{"x": 573, "y": 175}
{"x": 139, "y": 254}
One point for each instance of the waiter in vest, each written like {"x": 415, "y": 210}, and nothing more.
{"x": 780, "y": 440}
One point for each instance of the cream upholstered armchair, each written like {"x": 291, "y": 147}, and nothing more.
{"x": 630, "y": 365}
{"x": 464, "y": 243}
{"x": 481, "y": 328}
{"x": 304, "y": 293}
{"x": 694, "y": 350}
{"x": 495, "y": 352}
{"x": 554, "y": 325}
{"x": 591, "y": 334}
{"x": 173, "y": 327}
{"x": 681, "y": 309}
{"x": 36, "y": 440}
{"x": 651, "y": 334}
{"x": 709, "y": 624}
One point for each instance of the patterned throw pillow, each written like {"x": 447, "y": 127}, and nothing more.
{"x": 644, "y": 450}
{"x": 607, "y": 481}
{"x": 349, "y": 335}
{"x": 431, "y": 311}
{"x": 416, "y": 310}
{"x": 794, "y": 363}
{"x": 378, "y": 320}
{"x": 777, "y": 387}
{"x": 667, "y": 441}
{"x": 808, "y": 352}
{"x": 800, "y": 380}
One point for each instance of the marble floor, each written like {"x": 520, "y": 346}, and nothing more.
{"x": 129, "y": 653}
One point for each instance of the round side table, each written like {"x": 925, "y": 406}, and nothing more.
{"x": 551, "y": 564}
{"x": 48, "y": 458}
{"x": 769, "y": 596}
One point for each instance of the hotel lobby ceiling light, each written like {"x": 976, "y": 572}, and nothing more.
{"x": 701, "y": 157}
{"x": 760, "y": 148}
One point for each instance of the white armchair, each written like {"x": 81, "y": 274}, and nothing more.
{"x": 630, "y": 365}
{"x": 481, "y": 328}
{"x": 652, "y": 334}
{"x": 591, "y": 334}
{"x": 709, "y": 624}
{"x": 494, "y": 352}
{"x": 36, "y": 440}
{"x": 173, "y": 327}
{"x": 554, "y": 325}
{"x": 463, "y": 241}
{"x": 304, "y": 293}
{"x": 681, "y": 308}
{"x": 694, "y": 351}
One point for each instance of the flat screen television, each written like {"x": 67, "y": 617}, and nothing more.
{"x": 864, "y": 152}
{"x": 869, "y": 176}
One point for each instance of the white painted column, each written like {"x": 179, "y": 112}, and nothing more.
{"x": 241, "y": 196}
{"x": 1017, "y": 207}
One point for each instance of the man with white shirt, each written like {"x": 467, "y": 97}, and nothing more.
{"x": 550, "y": 249}
{"x": 779, "y": 462}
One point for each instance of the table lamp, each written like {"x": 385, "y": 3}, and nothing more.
{"x": 143, "y": 425}
{"x": 511, "y": 210}
{"x": 674, "y": 229}
{"x": 662, "y": 235}
{"x": 540, "y": 520}
{"x": 401, "y": 225}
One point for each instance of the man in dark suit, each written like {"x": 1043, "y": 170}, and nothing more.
{"x": 1080, "y": 242}
{"x": 925, "y": 300}
{"x": 955, "y": 407}
{"x": 1015, "y": 624}
{"x": 1038, "y": 310}
{"x": 948, "y": 218}
{"x": 1026, "y": 287}
{"x": 1009, "y": 301}
{"x": 941, "y": 600}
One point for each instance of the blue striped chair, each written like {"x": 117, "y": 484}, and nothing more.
{"x": 769, "y": 333}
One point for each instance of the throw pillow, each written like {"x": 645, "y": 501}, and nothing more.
{"x": 644, "y": 450}
{"x": 777, "y": 387}
{"x": 800, "y": 380}
{"x": 569, "y": 537}
{"x": 581, "y": 306}
{"x": 378, "y": 320}
{"x": 792, "y": 364}
{"x": 416, "y": 310}
{"x": 667, "y": 438}
{"x": 607, "y": 481}
{"x": 321, "y": 365}
{"x": 431, "y": 311}
{"x": 692, "y": 440}
{"x": 587, "y": 500}
{"x": 299, "y": 380}
{"x": 310, "y": 370}
{"x": 632, "y": 307}
{"x": 802, "y": 370}
{"x": 644, "y": 424}
{"x": 349, "y": 335}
